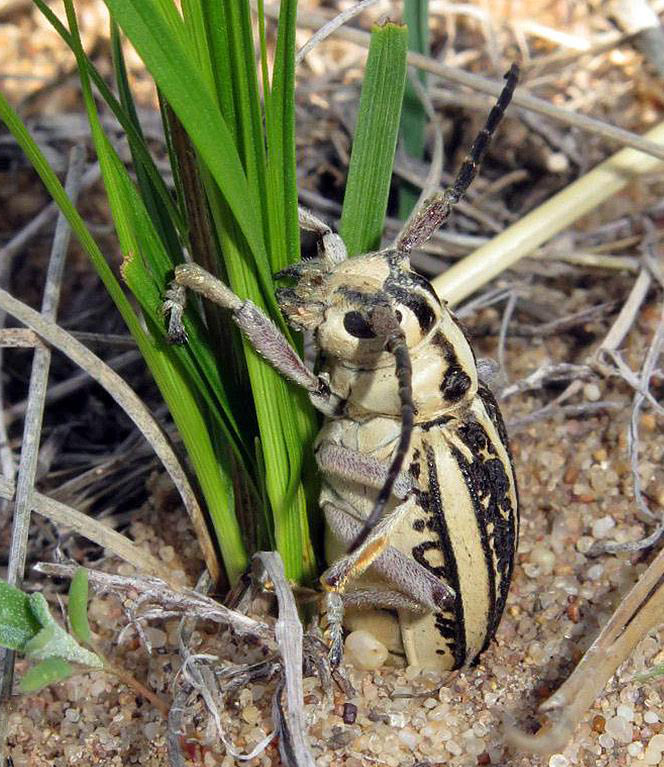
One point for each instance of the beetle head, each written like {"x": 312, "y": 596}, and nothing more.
{"x": 338, "y": 302}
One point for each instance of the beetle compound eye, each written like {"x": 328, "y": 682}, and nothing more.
{"x": 357, "y": 326}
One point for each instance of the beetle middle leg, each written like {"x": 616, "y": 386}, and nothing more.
{"x": 401, "y": 572}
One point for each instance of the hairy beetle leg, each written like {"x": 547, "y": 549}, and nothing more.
{"x": 174, "y": 304}
{"x": 260, "y": 331}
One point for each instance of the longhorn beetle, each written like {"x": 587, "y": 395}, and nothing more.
{"x": 432, "y": 544}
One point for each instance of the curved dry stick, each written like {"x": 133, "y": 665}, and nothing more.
{"x": 130, "y": 403}
{"x": 61, "y": 514}
{"x": 641, "y": 611}
{"x": 316, "y": 20}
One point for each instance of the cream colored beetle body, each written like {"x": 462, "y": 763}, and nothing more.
{"x": 462, "y": 521}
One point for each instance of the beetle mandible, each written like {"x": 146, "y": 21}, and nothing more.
{"x": 433, "y": 543}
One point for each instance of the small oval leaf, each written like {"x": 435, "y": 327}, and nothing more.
{"x": 17, "y": 622}
{"x": 44, "y": 673}
{"x": 78, "y": 605}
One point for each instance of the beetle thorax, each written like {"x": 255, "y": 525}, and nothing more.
{"x": 444, "y": 376}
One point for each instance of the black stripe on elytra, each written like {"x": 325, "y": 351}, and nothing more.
{"x": 452, "y": 574}
{"x": 441, "y": 420}
{"x": 491, "y": 621}
{"x": 456, "y": 381}
{"x": 493, "y": 411}
{"x": 489, "y": 489}
{"x": 418, "y": 305}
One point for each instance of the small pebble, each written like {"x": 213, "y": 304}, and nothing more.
{"x": 556, "y": 162}
{"x": 558, "y": 760}
{"x": 592, "y": 392}
{"x": 619, "y": 729}
{"x": 453, "y": 747}
{"x": 657, "y": 742}
{"x": 650, "y": 717}
{"x": 602, "y": 526}
{"x": 251, "y": 714}
{"x": 654, "y": 749}
{"x": 350, "y": 713}
{"x": 544, "y": 557}
{"x": 594, "y": 573}
{"x": 364, "y": 651}
{"x": 599, "y": 723}
{"x": 634, "y": 749}
{"x": 584, "y": 544}
{"x": 625, "y": 712}
{"x": 167, "y": 553}
{"x": 397, "y": 719}
{"x": 408, "y": 737}
{"x": 605, "y": 741}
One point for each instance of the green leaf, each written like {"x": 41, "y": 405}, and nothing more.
{"x": 140, "y": 153}
{"x": 161, "y": 214}
{"x": 280, "y": 123}
{"x": 46, "y": 672}
{"x": 53, "y": 641}
{"x": 162, "y": 43}
{"x": 77, "y": 608}
{"x": 370, "y": 172}
{"x": 17, "y": 623}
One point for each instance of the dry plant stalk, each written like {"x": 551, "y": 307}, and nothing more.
{"x": 641, "y": 611}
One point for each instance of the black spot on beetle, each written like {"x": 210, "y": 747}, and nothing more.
{"x": 456, "y": 383}
{"x": 417, "y": 303}
{"x": 357, "y": 326}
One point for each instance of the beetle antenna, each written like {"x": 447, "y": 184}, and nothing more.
{"x": 384, "y": 323}
{"x": 436, "y": 210}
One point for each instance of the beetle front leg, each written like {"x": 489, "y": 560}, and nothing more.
{"x": 260, "y": 331}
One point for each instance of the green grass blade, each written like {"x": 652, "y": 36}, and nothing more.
{"x": 142, "y": 155}
{"x": 284, "y": 438}
{"x": 158, "y": 211}
{"x": 247, "y": 108}
{"x": 370, "y": 172}
{"x": 175, "y": 70}
{"x": 77, "y": 607}
{"x": 280, "y": 122}
{"x": 136, "y": 236}
{"x": 414, "y": 118}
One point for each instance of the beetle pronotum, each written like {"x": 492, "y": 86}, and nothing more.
{"x": 398, "y": 384}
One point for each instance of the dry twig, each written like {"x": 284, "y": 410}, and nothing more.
{"x": 27, "y": 468}
{"x": 124, "y": 395}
